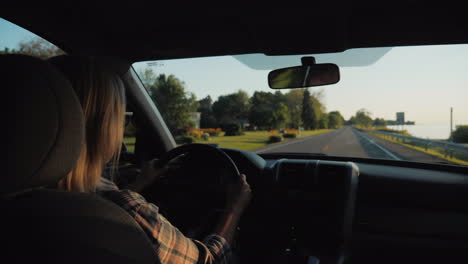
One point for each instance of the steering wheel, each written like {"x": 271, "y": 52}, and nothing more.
{"x": 192, "y": 194}
{"x": 205, "y": 149}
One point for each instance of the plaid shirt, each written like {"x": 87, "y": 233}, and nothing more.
{"x": 170, "y": 244}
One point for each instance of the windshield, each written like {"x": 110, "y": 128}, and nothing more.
{"x": 402, "y": 103}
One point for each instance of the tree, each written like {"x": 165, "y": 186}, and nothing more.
{"x": 261, "y": 112}
{"x": 318, "y": 97}
{"x": 335, "y": 120}
{"x": 147, "y": 77}
{"x": 323, "y": 121}
{"x": 319, "y": 109}
{"x": 174, "y": 103}
{"x": 207, "y": 119}
{"x": 460, "y": 135}
{"x": 37, "y": 47}
{"x": 278, "y": 98}
{"x": 293, "y": 100}
{"x": 280, "y": 116}
{"x": 309, "y": 114}
{"x": 231, "y": 108}
{"x": 8, "y": 51}
{"x": 351, "y": 121}
{"x": 363, "y": 118}
{"x": 379, "y": 122}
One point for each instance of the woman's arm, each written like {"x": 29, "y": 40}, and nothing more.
{"x": 150, "y": 171}
{"x": 238, "y": 198}
{"x": 170, "y": 244}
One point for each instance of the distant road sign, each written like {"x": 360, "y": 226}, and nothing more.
{"x": 400, "y": 118}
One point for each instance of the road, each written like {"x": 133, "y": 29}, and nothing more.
{"x": 352, "y": 143}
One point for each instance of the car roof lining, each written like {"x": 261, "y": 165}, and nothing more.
{"x": 142, "y": 33}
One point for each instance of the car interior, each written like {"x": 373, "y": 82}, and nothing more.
{"x": 306, "y": 208}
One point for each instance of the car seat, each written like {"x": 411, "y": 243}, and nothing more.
{"x": 45, "y": 133}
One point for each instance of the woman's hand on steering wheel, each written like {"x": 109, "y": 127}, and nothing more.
{"x": 150, "y": 172}
{"x": 238, "y": 199}
{"x": 239, "y": 195}
{"x": 205, "y": 187}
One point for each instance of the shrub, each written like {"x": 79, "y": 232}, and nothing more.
{"x": 214, "y": 133}
{"x": 250, "y": 128}
{"x": 233, "y": 130}
{"x": 295, "y": 131}
{"x": 205, "y": 136}
{"x": 195, "y": 133}
{"x": 184, "y": 139}
{"x": 182, "y": 131}
{"x": 460, "y": 135}
{"x": 274, "y": 139}
{"x": 289, "y": 135}
{"x": 273, "y": 132}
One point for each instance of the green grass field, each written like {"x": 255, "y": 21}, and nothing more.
{"x": 251, "y": 139}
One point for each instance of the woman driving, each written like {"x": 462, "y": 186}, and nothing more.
{"x": 102, "y": 97}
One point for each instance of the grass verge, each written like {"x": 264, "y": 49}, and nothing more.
{"x": 461, "y": 159}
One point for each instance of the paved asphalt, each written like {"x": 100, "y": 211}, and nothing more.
{"x": 352, "y": 143}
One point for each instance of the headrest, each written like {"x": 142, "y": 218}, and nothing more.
{"x": 45, "y": 123}
{"x": 110, "y": 64}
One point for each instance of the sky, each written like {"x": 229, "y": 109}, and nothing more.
{"x": 11, "y": 35}
{"x": 422, "y": 81}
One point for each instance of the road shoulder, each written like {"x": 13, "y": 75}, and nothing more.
{"x": 407, "y": 153}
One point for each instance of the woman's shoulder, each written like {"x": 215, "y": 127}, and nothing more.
{"x": 125, "y": 198}
{"x": 106, "y": 185}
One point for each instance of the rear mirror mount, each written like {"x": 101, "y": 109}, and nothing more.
{"x": 309, "y": 74}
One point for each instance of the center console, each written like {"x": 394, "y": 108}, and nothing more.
{"x": 317, "y": 199}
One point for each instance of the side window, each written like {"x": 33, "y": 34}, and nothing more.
{"x": 127, "y": 171}
{"x": 129, "y": 133}
{"x": 17, "y": 40}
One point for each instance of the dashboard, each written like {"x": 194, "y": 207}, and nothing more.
{"x": 334, "y": 210}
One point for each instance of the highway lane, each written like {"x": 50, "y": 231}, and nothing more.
{"x": 350, "y": 142}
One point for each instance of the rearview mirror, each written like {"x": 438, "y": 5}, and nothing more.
{"x": 304, "y": 76}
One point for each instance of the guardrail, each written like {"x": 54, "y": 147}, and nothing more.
{"x": 449, "y": 147}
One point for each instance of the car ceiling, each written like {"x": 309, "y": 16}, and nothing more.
{"x": 153, "y": 31}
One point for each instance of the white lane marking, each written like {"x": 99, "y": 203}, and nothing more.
{"x": 288, "y": 143}
{"x": 377, "y": 145}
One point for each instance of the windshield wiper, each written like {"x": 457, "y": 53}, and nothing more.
{"x": 296, "y": 153}
{"x": 446, "y": 162}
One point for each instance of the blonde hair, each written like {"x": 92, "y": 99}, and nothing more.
{"x": 102, "y": 97}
